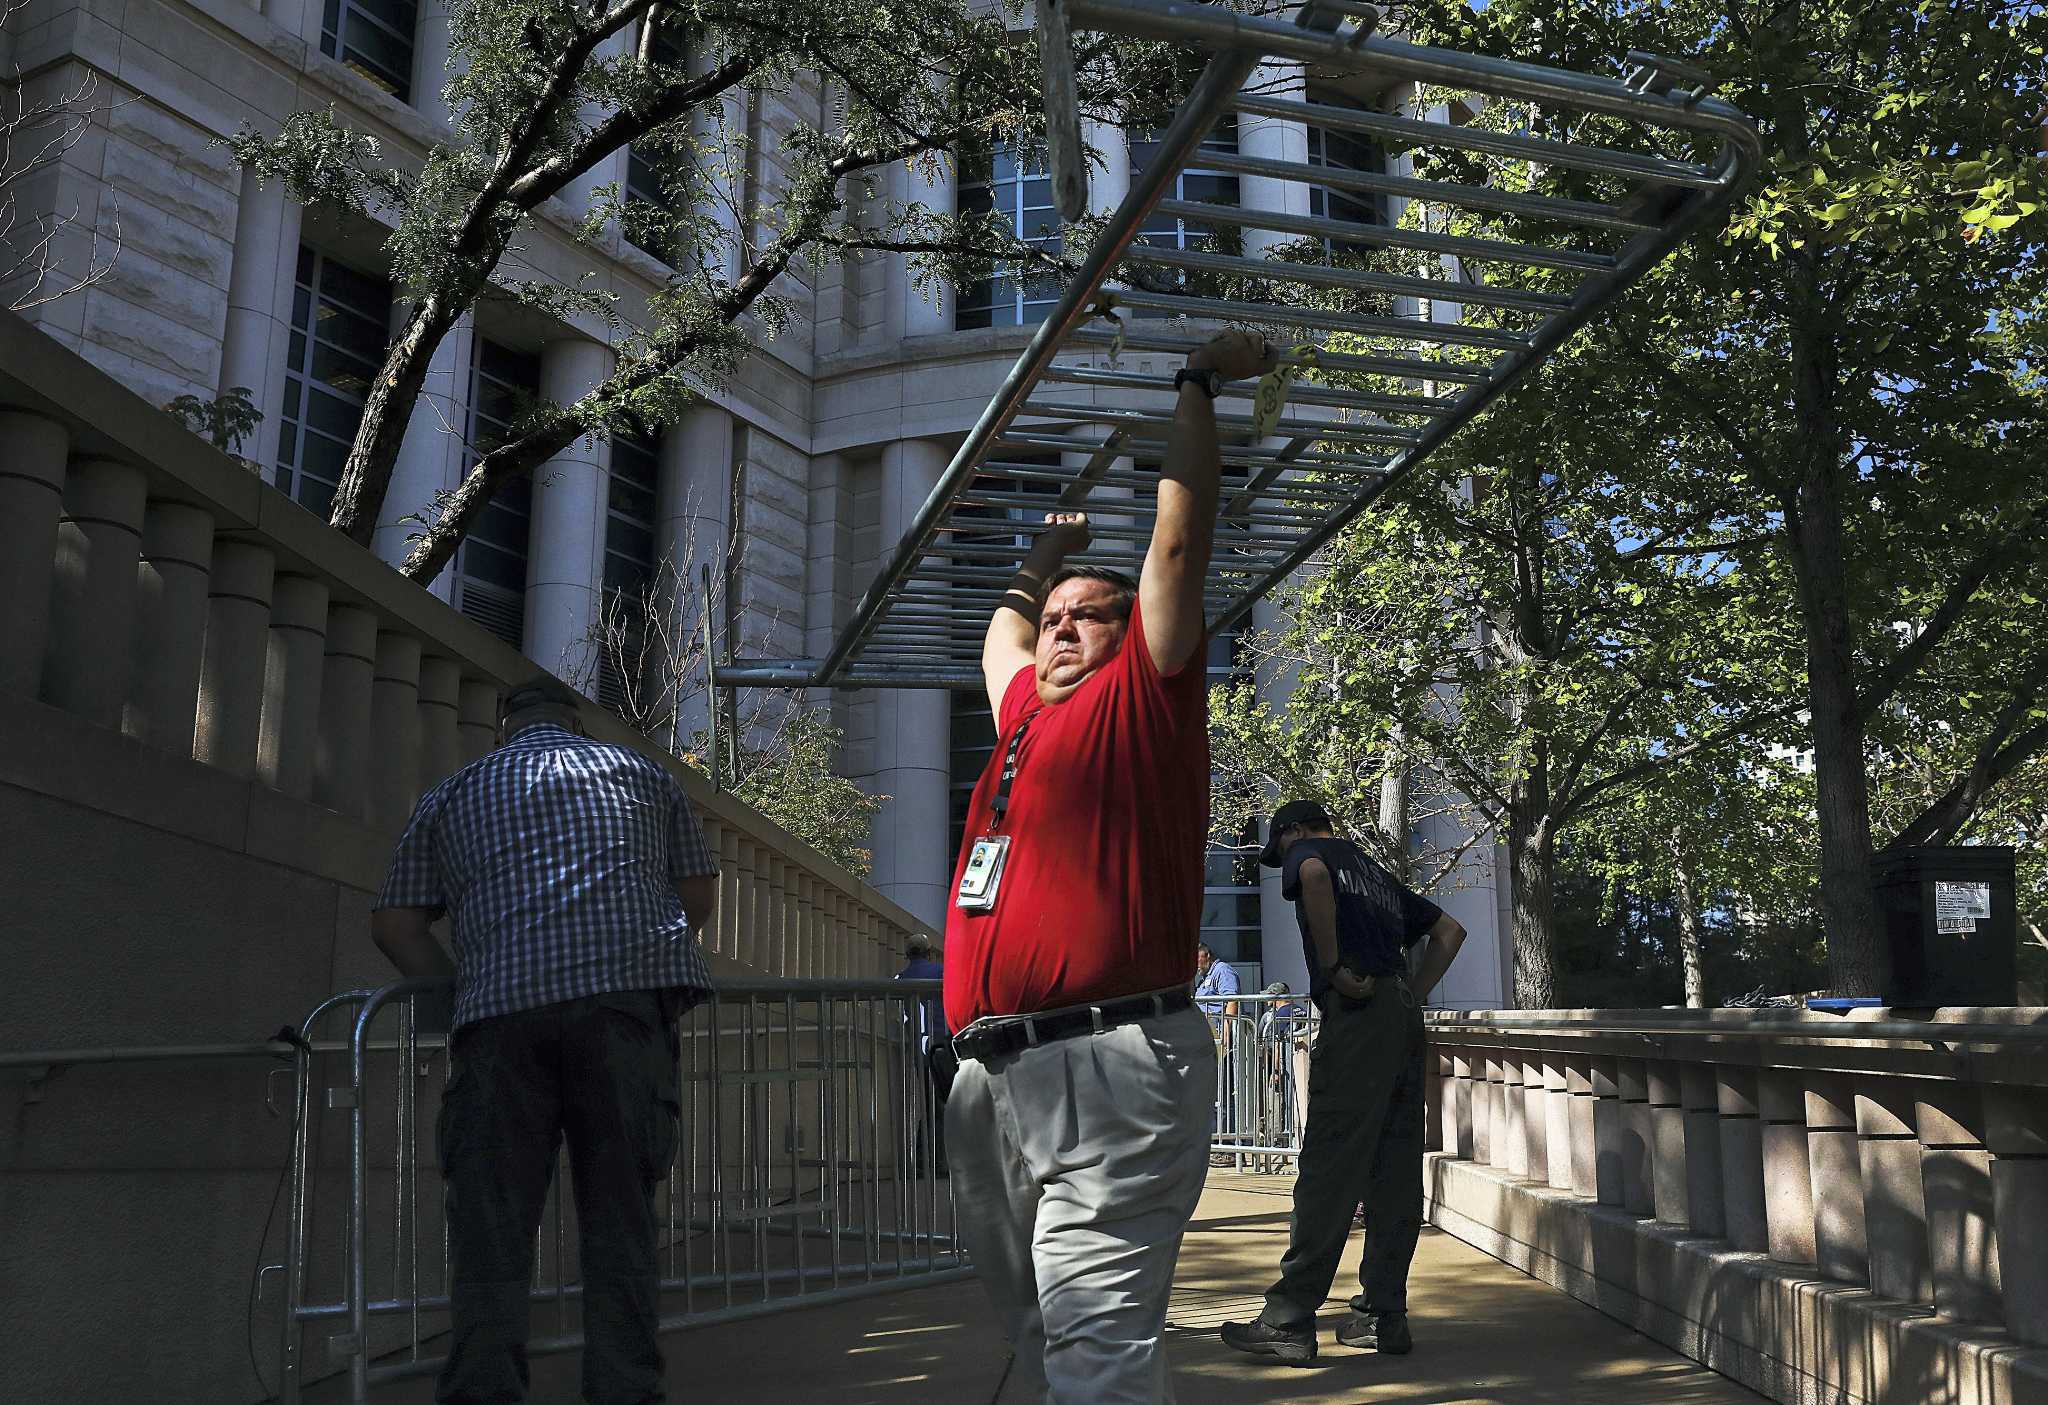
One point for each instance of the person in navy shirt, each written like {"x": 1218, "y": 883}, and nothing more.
{"x": 1364, "y": 1134}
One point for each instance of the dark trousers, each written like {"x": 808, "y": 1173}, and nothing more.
{"x": 601, "y": 1072}
{"x": 1363, "y": 1143}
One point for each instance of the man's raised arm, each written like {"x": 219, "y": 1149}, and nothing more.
{"x": 1012, "y": 639}
{"x": 1177, "y": 560}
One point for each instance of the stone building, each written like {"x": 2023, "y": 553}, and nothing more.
{"x": 806, "y": 468}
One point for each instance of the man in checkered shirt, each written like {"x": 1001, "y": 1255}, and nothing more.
{"x": 576, "y": 880}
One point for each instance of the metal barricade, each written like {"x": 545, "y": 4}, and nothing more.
{"x": 1261, "y": 1078}
{"x": 809, "y": 1169}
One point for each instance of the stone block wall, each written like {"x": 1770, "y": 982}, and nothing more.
{"x": 1826, "y": 1209}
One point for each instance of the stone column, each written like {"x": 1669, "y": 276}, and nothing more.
{"x": 290, "y": 735}
{"x": 1585, "y": 1127}
{"x": 761, "y": 908}
{"x": 1610, "y": 1133}
{"x": 1840, "y": 1247}
{"x": 730, "y": 889}
{"x": 257, "y": 339}
{"x": 170, "y": 625}
{"x": 744, "y": 948}
{"x": 1638, "y": 1189}
{"x": 2016, "y": 1121}
{"x": 1511, "y": 1131}
{"x": 1272, "y": 139}
{"x": 565, "y": 562}
{"x": 32, "y": 457}
{"x": 1535, "y": 1163}
{"x": 1462, "y": 1137}
{"x": 1705, "y": 1200}
{"x": 231, "y": 671}
{"x": 1485, "y": 1078}
{"x": 1955, "y": 1170}
{"x": 430, "y": 53}
{"x": 1433, "y": 1083}
{"x": 88, "y": 658}
{"x": 395, "y": 730}
{"x": 693, "y": 524}
{"x": 440, "y": 738}
{"x": 476, "y": 719}
{"x": 433, "y": 455}
{"x": 1557, "y": 1121}
{"x": 1894, "y": 1200}
{"x": 911, "y": 313}
{"x": 913, "y": 727}
{"x": 1447, "y": 1103}
{"x": 1742, "y": 1159}
{"x": 1788, "y": 1179}
{"x": 718, "y": 130}
{"x": 1670, "y": 1185}
{"x": 341, "y": 764}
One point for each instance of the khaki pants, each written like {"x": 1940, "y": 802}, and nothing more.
{"x": 1075, "y": 1168}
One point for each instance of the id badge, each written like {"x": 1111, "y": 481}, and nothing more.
{"x": 983, "y": 873}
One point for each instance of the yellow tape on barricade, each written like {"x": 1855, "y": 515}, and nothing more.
{"x": 1271, "y": 397}
{"x": 1105, "y": 305}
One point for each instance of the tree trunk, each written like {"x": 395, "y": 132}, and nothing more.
{"x": 1685, "y": 897}
{"x": 1394, "y": 807}
{"x": 366, "y": 474}
{"x": 1858, "y": 962}
{"x": 1535, "y": 934}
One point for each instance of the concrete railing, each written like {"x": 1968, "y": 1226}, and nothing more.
{"x": 154, "y": 586}
{"x": 1854, "y": 1206}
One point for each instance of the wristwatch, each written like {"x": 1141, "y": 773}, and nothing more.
{"x": 1209, "y": 382}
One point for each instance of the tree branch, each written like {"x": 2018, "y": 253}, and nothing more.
{"x": 2015, "y": 545}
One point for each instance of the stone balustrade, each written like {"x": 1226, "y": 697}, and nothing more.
{"x": 1850, "y": 1208}
{"x": 156, "y": 588}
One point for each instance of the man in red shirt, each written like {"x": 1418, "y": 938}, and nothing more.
{"x": 1078, "y": 1121}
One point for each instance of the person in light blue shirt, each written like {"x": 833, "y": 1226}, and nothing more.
{"x": 1213, "y": 979}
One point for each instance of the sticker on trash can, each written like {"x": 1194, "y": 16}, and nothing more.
{"x": 1959, "y": 907}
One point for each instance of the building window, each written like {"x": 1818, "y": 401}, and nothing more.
{"x": 341, "y": 326}
{"x": 1193, "y": 183}
{"x": 490, "y": 568}
{"x": 628, "y": 562}
{"x": 1018, "y": 188}
{"x": 1344, "y": 151}
{"x": 373, "y": 37}
{"x": 650, "y": 205}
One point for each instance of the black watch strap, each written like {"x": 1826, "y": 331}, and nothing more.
{"x": 1209, "y": 382}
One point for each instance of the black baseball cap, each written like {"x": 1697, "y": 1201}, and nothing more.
{"x": 1295, "y": 812}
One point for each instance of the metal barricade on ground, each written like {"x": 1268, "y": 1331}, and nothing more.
{"x": 1261, "y": 1078}
{"x": 809, "y": 1168}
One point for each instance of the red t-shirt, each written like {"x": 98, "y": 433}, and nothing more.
{"x": 1101, "y": 894}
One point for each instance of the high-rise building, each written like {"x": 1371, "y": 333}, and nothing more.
{"x": 797, "y": 477}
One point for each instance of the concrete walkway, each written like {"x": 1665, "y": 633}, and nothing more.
{"x": 1484, "y": 1333}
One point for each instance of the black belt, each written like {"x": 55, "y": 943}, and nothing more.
{"x": 988, "y": 1039}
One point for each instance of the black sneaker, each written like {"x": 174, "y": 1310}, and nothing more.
{"x": 1261, "y": 1338}
{"x": 1385, "y": 1332}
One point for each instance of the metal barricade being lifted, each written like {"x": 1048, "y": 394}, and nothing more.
{"x": 810, "y": 1168}
{"x": 1262, "y": 1046}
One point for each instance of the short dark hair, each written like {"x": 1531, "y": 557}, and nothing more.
{"x": 1126, "y": 589}
{"x": 1205, "y": 948}
{"x": 919, "y": 946}
{"x": 540, "y": 698}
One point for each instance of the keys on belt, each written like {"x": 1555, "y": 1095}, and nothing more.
{"x": 992, "y": 1038}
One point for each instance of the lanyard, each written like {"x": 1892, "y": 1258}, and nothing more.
{"x": 1000, "y": 806}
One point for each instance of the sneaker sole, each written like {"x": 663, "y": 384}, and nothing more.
{"x": 1279, "y": 1351}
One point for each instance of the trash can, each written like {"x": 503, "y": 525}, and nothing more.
{"x": 1949, "y": 919}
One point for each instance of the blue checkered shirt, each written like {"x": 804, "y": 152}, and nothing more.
{"x": 556, "y": 858}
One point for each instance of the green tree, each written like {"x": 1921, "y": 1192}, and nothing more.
{"x": 1859, "y": 357}
{"x": 545, "y": 90}
{"x": 1541, "y": 624}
